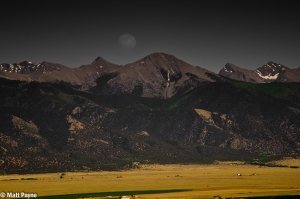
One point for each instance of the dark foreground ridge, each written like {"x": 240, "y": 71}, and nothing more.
{"x": 50, "y": 127}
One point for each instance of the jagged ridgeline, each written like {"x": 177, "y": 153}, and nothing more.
{"x": 176, "y": 115}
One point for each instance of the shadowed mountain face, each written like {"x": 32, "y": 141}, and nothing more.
{"x": 48, "y": 127}
{"x": 269, "y": 72}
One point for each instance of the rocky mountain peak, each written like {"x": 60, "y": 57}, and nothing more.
{"x": 271, "y": 70}
{"x": 229, "y": 68}
{"x": 159, "y": 57}
{"x": 26, "y": 63}
{"x": 234, "y": 72}
{"x": 99, "y": 60}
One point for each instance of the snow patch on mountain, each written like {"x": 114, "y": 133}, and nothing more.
{"x": 226, "y": 70}
{"x": 269, "y": 76}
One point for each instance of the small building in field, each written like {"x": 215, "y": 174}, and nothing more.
{"x": 125, "y": 197}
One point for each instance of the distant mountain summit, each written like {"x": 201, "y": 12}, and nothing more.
{"x": 157, "y": 74}
{"x": 269, "y": 72}
{"x": 237, "y": 73}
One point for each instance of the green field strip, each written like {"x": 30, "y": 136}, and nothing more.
{"x": 117, "y": 193}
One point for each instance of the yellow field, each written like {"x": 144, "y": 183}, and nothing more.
{"x": 205, "y": 181}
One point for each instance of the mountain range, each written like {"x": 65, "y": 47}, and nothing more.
{"x": 104, "y": 116}
{"x": 158, "y": 74}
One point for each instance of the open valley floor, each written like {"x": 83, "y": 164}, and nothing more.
{"x": 198, "y": 181}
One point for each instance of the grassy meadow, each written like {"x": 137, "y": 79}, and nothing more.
{"x": 200, "y": 181}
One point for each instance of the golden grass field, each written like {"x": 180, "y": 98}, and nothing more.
{"x": 205, "y": 181}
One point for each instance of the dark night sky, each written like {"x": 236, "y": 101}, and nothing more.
{"x": 208, "y": 34}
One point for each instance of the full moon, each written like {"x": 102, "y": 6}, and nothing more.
{"x": 127, "y": 41}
